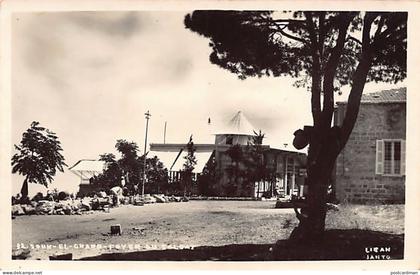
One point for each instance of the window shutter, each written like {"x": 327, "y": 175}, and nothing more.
{"x": 402, "y": 157}
{"x": 379, "y": 157}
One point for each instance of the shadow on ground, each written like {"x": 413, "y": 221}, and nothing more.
{"x": 338, "y": 245}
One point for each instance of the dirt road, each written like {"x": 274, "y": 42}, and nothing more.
{"x": 184, "y": 225}
{"x": 155, "y": 226}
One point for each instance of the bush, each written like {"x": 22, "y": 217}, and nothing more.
{"x": 38, "y": 197}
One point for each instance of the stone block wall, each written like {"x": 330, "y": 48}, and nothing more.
{"x": 356, "y": 178}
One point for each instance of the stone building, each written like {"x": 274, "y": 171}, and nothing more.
{"x": 371, "y": 167}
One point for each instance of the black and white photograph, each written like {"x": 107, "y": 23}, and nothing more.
{"x": 216, "y": 135}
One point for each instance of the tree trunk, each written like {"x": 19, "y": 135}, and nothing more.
{"x": 322, "y": 154}
{"x": 24, "y": 190}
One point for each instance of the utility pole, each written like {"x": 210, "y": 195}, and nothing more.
{"x": 147, "y": 115}
{"x": 164, "y": 134}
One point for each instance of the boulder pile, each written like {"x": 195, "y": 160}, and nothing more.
{"x": 62, "y": 207}
{"x": 86, "y": 205}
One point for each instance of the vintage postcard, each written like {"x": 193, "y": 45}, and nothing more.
{"x": 209, "y": 132}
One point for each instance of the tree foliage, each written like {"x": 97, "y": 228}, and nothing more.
{"x": 208, "y": 178}
{"x": 235, "y": 170}
{"x": 256, "y": 164}
{"x": 322, "y": 50}
{"x": 247, "y": 166}
{"x": 38, "y": 156}
{"x": 188, "y": 167}
{"x": 258, "y": 43}
{"x": 130, "y": 167}
{"x": 130, "y": 163}
{"x": 112, "y": 173}
{"x": 157, "y": 176}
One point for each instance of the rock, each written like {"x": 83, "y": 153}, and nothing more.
{"x": 148, "y": 199}
{"x": 116, "y": 229}
{"x": 102, "y": 194}
{"x": 75, "y": 205}
{"x": 68, "y": 256}
{"x": 45, "y": 207}
{"x": 85, "y": 206}
{"x": 29, "y": 209}
{"x": 104, "y": 201}
{"x": 138, "y": 203}
{"x": 331, "y": 206}
{"x": 60, "y": 205}
{"x": 67, "y": 210}
{"x": 46, "y": 203}
{"x": 86, "y": 199}
{"x": 185, "y": 199}
{"x": 17, "y": 210}
{"x": 20, "y": 254}
{"x": 160, "y": 198}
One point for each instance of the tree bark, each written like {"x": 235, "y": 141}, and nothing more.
{"x": 24, "y": 190}
{"x": 322, "y": 154}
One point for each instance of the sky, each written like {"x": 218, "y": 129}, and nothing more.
{"x": 90, "y": 77}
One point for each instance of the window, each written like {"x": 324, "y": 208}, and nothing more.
{"x": 229, "y": 140}
{"x": 390, "y": 157}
